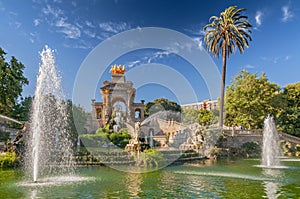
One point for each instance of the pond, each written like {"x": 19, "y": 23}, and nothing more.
{"x": 228, "y": 178}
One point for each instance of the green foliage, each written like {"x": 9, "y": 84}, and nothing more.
{"x": 120, "y": 139}
{"x": 204, "y": 117}
{"x": 21, "y": 111}
{"x": 104, "y": 137}
{"x": 77, "y": 118}
{"x": 12, "y": 81}
{"x": 289, "y": 118}
{"x": 227, "y": 32}
{"x": 249, "y": 99}
{"x": 190, "y": 116}
{"x": 94, "y": 140}
{"x": 4, "y": 136}
{"x": 297, "y": 153}
{"x": 251, "y": 148}
{"x": 8, "y": 160}
{"x": 102, "y": 131}
{"x": 161, "y": 104}
{"x": 287, "y": 148}
{"x": 152, "y": 158}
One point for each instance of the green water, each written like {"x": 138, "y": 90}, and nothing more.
{"x": 209, "y": 179}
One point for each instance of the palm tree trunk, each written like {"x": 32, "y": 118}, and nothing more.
{"x": 224, "y": 54}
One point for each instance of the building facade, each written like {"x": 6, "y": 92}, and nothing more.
{"x": 204, "y": 105}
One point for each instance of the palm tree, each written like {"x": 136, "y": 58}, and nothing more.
{"x": 223, "y": 35}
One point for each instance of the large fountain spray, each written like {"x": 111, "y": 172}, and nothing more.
{"x": 49, "y": 145}
{"x": 271, "y": 148}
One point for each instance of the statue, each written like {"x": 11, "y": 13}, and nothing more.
{"x": 137, "y": 129}
{"x": 117, "y": 69}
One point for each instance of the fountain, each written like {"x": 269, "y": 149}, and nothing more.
{"x": 49, "y": 147}
{"x": 271, "y": 148}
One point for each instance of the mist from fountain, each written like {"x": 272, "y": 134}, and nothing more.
{"x": 49, "y": 147}
{"x": 271, "y": 148}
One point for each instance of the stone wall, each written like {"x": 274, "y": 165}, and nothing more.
{"x": 238, "y": 140}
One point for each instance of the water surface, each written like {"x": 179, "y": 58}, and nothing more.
{"x": 205, "y": 179}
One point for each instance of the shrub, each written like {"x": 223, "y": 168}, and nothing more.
{"x": 152, "y": 158}
{"x": 297, "y": 150}
{"x": 94, "y": 140}
{"x": 120, "y": 139}
{"x": 8, "y": 160}
{"x": 4, "y": 136}
{"x": 251, "y": 148}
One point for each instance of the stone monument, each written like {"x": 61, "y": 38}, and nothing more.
{"x": 117, "y": 90}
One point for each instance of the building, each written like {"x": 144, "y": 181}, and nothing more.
{"x": 204, "y": 105}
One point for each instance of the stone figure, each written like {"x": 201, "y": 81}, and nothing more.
{"x": 137, "y": 129}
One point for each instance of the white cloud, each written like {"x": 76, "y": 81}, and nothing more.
{"x": 196, "y": 31}
{"x": 16, "y": 24}
{"x": 114, "y": 27}
{"x": 71, "y": 31}
{"x": 49, "y": 10}
{"x": 81, "y": 44}
{"x": 90, "y": 33}
{"x": 258, "y": 18}
{"x": 276, "y": 60}
{"x": 89, "y": 24}
{"x": 199, "y": 42}
{"x": 287, "y": 14}
{"x": 74, "y": 3}
{"x": 36, "y": 22}
{"x": 150, "y": 58}
{"x": 32, "y": 37}
{"x": 133, "y": 63}
{"x": 249, "y": 66}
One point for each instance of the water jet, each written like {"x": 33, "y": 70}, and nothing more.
{"x": 271, "y": 148}
{"x": 48, "y": 141}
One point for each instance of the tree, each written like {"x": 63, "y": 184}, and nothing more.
{"x": 205, "y": 117}
{"x": 190, "y": 116}
{"x": 12, "y": 81}
{"x": 223, "y": 35}
{"x": 77, "y": 118}
{"x": 161, "y": 104}
{"x": 289, "y": 118}
{"x": 249, "y": 99}
{"x": 21, "y": 110}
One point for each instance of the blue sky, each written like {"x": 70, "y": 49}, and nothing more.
{"x": 74, "y": 28}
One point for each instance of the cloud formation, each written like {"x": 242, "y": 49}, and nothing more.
{"x": 258, "y": 18}
{"x": 112, "y": 27}
{"x": 59, "y": 20}
{"x": 287, "y": 14}
{"x": 70, "y": 31}
{"x": 276, "y": 60}
{"x": 36, "y": 22}
{"x": 249, "y": 66}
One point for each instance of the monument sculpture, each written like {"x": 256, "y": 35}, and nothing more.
{"x": 154, "y": 131}
{"x": 117, "y": 90}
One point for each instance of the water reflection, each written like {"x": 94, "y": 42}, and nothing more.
{"x": 272, "y": 187}
{"x": 133, "y": 182}
{"x": 33, "y": 194}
